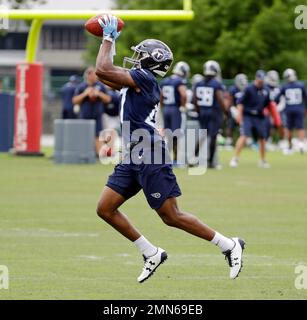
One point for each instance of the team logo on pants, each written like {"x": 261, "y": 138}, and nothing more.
{"x": 156, "y": 195}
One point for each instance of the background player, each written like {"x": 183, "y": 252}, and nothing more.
{"x": 173, "y": 100}
{"x": 111, "y": 122}
{"x": 235, "y": 92}
{"x": 273, "y": 117}
{"x": 67, "y": 93}
{"x": 140, "y": 96}
{"x": 91, "y": 96}
{"x": 296, "y": 97}
{"x": 209, "y": 102}
{"x": 251, "y": 117}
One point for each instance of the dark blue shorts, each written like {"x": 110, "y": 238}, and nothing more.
{"x": 253, "y": 125}
{"x": 98, "y": 120}
{"x": 294, "y": 119}
{"x": 172, "y": 118}
{"x": 268, "y": 127}
{"x": 157, "y": 181}
{"x": 210, "y": 120}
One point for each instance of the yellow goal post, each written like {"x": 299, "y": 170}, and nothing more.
{"x": 38, "y": 17}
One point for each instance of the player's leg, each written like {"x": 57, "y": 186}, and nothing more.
{"x": 98, "y": 129}
{"x": 203, "y": 119}
{"x": 299, "y": 125}
{"x": 262, "y": 151}
{"x": 289, "y": 128}
{"x": 238, "y": 148}
{"x": 214, "y": 127}
{"x": 107, "y": 209}
{"x": 245, "y": 131}
{"x": 301, "y": 137}
{"x": 176, "y": 124}
{"x": 231, "y": 247}
{"x": 261, "y": 132}
{"x": 173, "y": 217}
{"x": 121, "y": 186}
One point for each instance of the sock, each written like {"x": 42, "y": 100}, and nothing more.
{"x": 222, "y": 242}
{"x": 146, "y": 248}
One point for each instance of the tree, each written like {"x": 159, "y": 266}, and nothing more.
{"x": 242, "y": 35}
{"x": 18, "y": 4}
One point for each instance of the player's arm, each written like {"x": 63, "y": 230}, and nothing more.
{"x": 219, "y": 94}
{"x": 106, "y": 72}
{"x": 182, "y": 89}
{"x": 78, "y": 98}
{"x": 194, "y": 101}
{"x": 240, "y": 108}
{"x": 161, "y": 99}
{"x": 105, "y": 98}
{"x": 229, "y": 100}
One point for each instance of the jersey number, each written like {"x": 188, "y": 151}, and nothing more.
{"x": 294, "y": 96}
{"x": 168, "y": 93}
{"x": 151, "y": 119}
{"x": 205, "y": 96}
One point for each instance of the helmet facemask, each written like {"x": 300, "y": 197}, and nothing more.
{"x": 151, "y": 56}
{"x": 134, "y": 60}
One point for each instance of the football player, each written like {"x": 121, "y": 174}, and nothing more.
{"x": 272, "y": 113}
{"x": 140, "y": 97}
{"x": 251, "y": 117}
{"x": 173, "y": 100}
{"x": 235, "y": 92}
{"x": 91, "y": 95}
{"x": 67, "y": 93}
{"x": 209, "y": 100}
{"x": 296, "y": 96}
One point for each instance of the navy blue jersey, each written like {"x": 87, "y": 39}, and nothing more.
{"x": 112, "y": 108}
{"x": 140, "y": 108}
{"x": 236, "y": 94}
{"x": 170, "y": 93}
{"x": 254, "y": 100}
{"x": 205, "y": 94}
{"x": 67, "y": 92}
{"x": 295, "y": 95}
{"x": 274, "y": 93}
{"x": 90, "y": 108}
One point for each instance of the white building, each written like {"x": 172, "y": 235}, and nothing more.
{"x": 62, "y": 43}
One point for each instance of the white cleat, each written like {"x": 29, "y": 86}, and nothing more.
{"x": 151, "y": 264}
{"x": 234, "y": 257}
{"x": 234, "y": 162}
{"x": 264, "y": 164}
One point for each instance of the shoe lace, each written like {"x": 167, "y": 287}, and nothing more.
{"x": 147, "y": 264}
{"x": 228, "y": 257}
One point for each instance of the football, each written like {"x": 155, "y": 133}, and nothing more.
{"x": 92, "y": 25}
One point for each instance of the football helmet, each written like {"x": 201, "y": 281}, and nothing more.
{"x": 272, "y": 78}
{"x": 151, "y": 54}
{"x": 241, "y": 81}
{"x": 212, "y": 68}
{"x": 182, "y": 69}
{"x": 196, "y": 78}
{"x": 290, "y": 75}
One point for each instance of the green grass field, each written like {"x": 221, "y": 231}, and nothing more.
{"x": 56, "y": 247}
